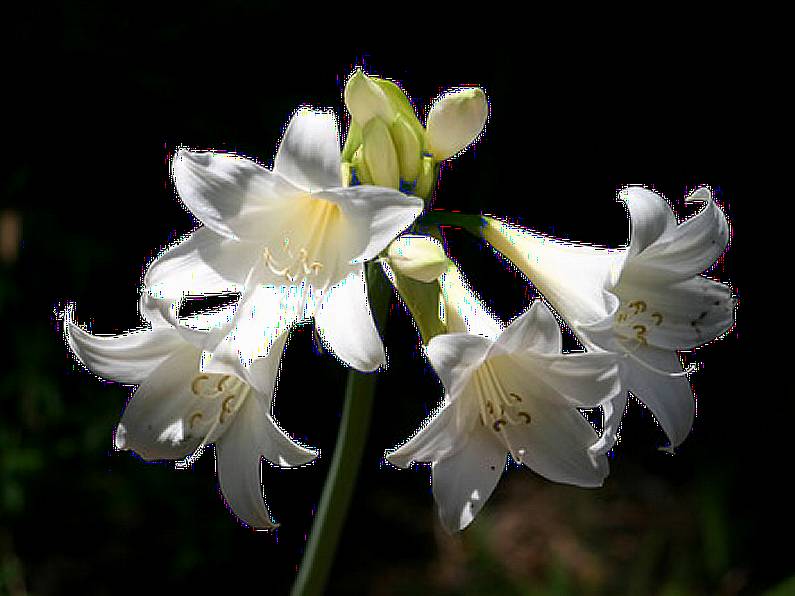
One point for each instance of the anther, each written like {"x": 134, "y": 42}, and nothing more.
{"x": 194, "y": 386}
{"x": 194, "y": 417}
{"x": 498, "y": 424}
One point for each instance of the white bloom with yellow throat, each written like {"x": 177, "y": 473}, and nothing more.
{"x": 292, "y": 239}
{"x": 643, "y": 303}
{"x": 177, "y": 409}
{"x": 518, "y": 395}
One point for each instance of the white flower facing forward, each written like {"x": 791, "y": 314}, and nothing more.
{"x": 177, "y": 410}
{"x": 642, "y": 303}
{"x": 518, "y": 395}
{"x": 294, "y": 238}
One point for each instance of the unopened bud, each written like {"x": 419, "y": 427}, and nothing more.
{"x": 418, "y": 257}
{"x": 365, "y": 100}
{"x": 455, "y": 120}
{"x": 426, "y": 178}
{"x": 409, "y": 148}
{"x": 380, "y": 155}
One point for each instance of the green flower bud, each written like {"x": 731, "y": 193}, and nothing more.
{"x": 426, "y": 178}
{"x": 455, "y": 120}
{"x": 409, "y": 148}
{"x": 419, "y": 257}
{"x": 379, "y": 154}
{"x": 366, "y": 100}
{"x": 360, "y": 167}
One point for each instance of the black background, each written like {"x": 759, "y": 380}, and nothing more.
{"x": 100, "y": 99}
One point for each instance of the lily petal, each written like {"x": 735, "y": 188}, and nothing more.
{"x": 345, "y": 323}
{"x": 536, "y": 330}
{"x": 441, "y": 434}
{"x": 156, "y": 423}
{"x": 452, "y": 354}
{"x": 683, "y": 315}
{"x": 463, "y": 481}
{"x": 555, "y": 445}
{"x": 669, "y": 398}
{"x": 202, "y": 263}
{"x": 651, "y": 217}
{"x": 129, "y": 358}
{"x": 691, "y": 247}
{"x": 309, "y": 154}
{"x": 375, "y": 216}
{"x": 231, "y": 195}
{"x": 464, "y": 311}
{"x": 239, "y": 455}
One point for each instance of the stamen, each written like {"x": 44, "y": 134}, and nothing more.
{"x": 194, "y": 386}
{"x": 225, "y": 408}
{"x": 193, "y": 418}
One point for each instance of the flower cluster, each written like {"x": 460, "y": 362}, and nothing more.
{"x": 299, "y": 241}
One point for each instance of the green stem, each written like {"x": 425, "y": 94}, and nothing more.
{"x": 341, "y": 479}
{"x": 469, "y": 222}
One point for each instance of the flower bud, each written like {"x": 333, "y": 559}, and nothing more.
{"x": 366, "y": 100}
{"x": 379, "y": 154}
{"x": 409, "y": 148}
{"x": 418, "y": 257}
{"x": 360, "y": 167}
{"x": 426, "y": 179}
{"x": 455, "y": 120}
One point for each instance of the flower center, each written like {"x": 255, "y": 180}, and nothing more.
{"x": 224, "y": 392}
{"x": 634, "y": 321}
{"x": 498, "y": 406}
{"x": 310, "y": 232}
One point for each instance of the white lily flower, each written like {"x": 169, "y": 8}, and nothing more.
{"x": 177, "y": 409}
{"x": 642, "y": 303}
{"x": 295, "y": 238}
{"x": 518, "y": 395}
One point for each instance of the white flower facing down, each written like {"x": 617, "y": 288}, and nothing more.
{"x": 642, "y": 303}
{"x": 177, "y": 410}
{"x": 294, "y": 239}
{"x": 518, "y": 395}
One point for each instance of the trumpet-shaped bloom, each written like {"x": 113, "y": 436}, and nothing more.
{"x": 177, "y": 409}
{"x": 294, "y": 239}
{"x": 642, "y": 303}
{"x": 518, "y": 394}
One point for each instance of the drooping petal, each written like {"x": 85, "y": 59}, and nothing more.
{"x": 345, "y": 323}
{"x": 442, "y": 433}
{"x": 689, "y": 248}
{"x": 374, "y": 216}
{"x": 536, "y": 330}
{"x": 464, "y": 311}
{"x": 128, "y": 358}
{"x": 571, "y": 277}
{"x": 677, "y": 316}
{"x": 231, "y": 195}
{"x": 555, "y": 444}
{"x": 670, "y": 398}
{"x": 309, "y": 154}
{"x": 463, "y": 481}
{"x": 651, "y": 217}
{"x": 612, "y": 413}
{"x": 159, "y": 419}
{"x": 202, "y": 263}
{"x": 239, "y": 455}
{"x": 452, "y": 355}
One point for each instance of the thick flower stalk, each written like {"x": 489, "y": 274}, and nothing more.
{"x": 177, "y": 409}
{"x": 642, "y": 303}
{"x": 515, "y": 395}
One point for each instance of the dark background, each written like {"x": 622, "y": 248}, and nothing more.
{"x": 99, "y": 100}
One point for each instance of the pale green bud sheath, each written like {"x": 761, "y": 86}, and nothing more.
{"x": 366, "y": 100}
{"x": 409, "y": 148}
{"x": 426, "y": 178}
{"x": 455, "y": 120}
{"x": 361, "y": 169}
{"x": 419, "y": 257}
{"x": 380, "y": 156}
